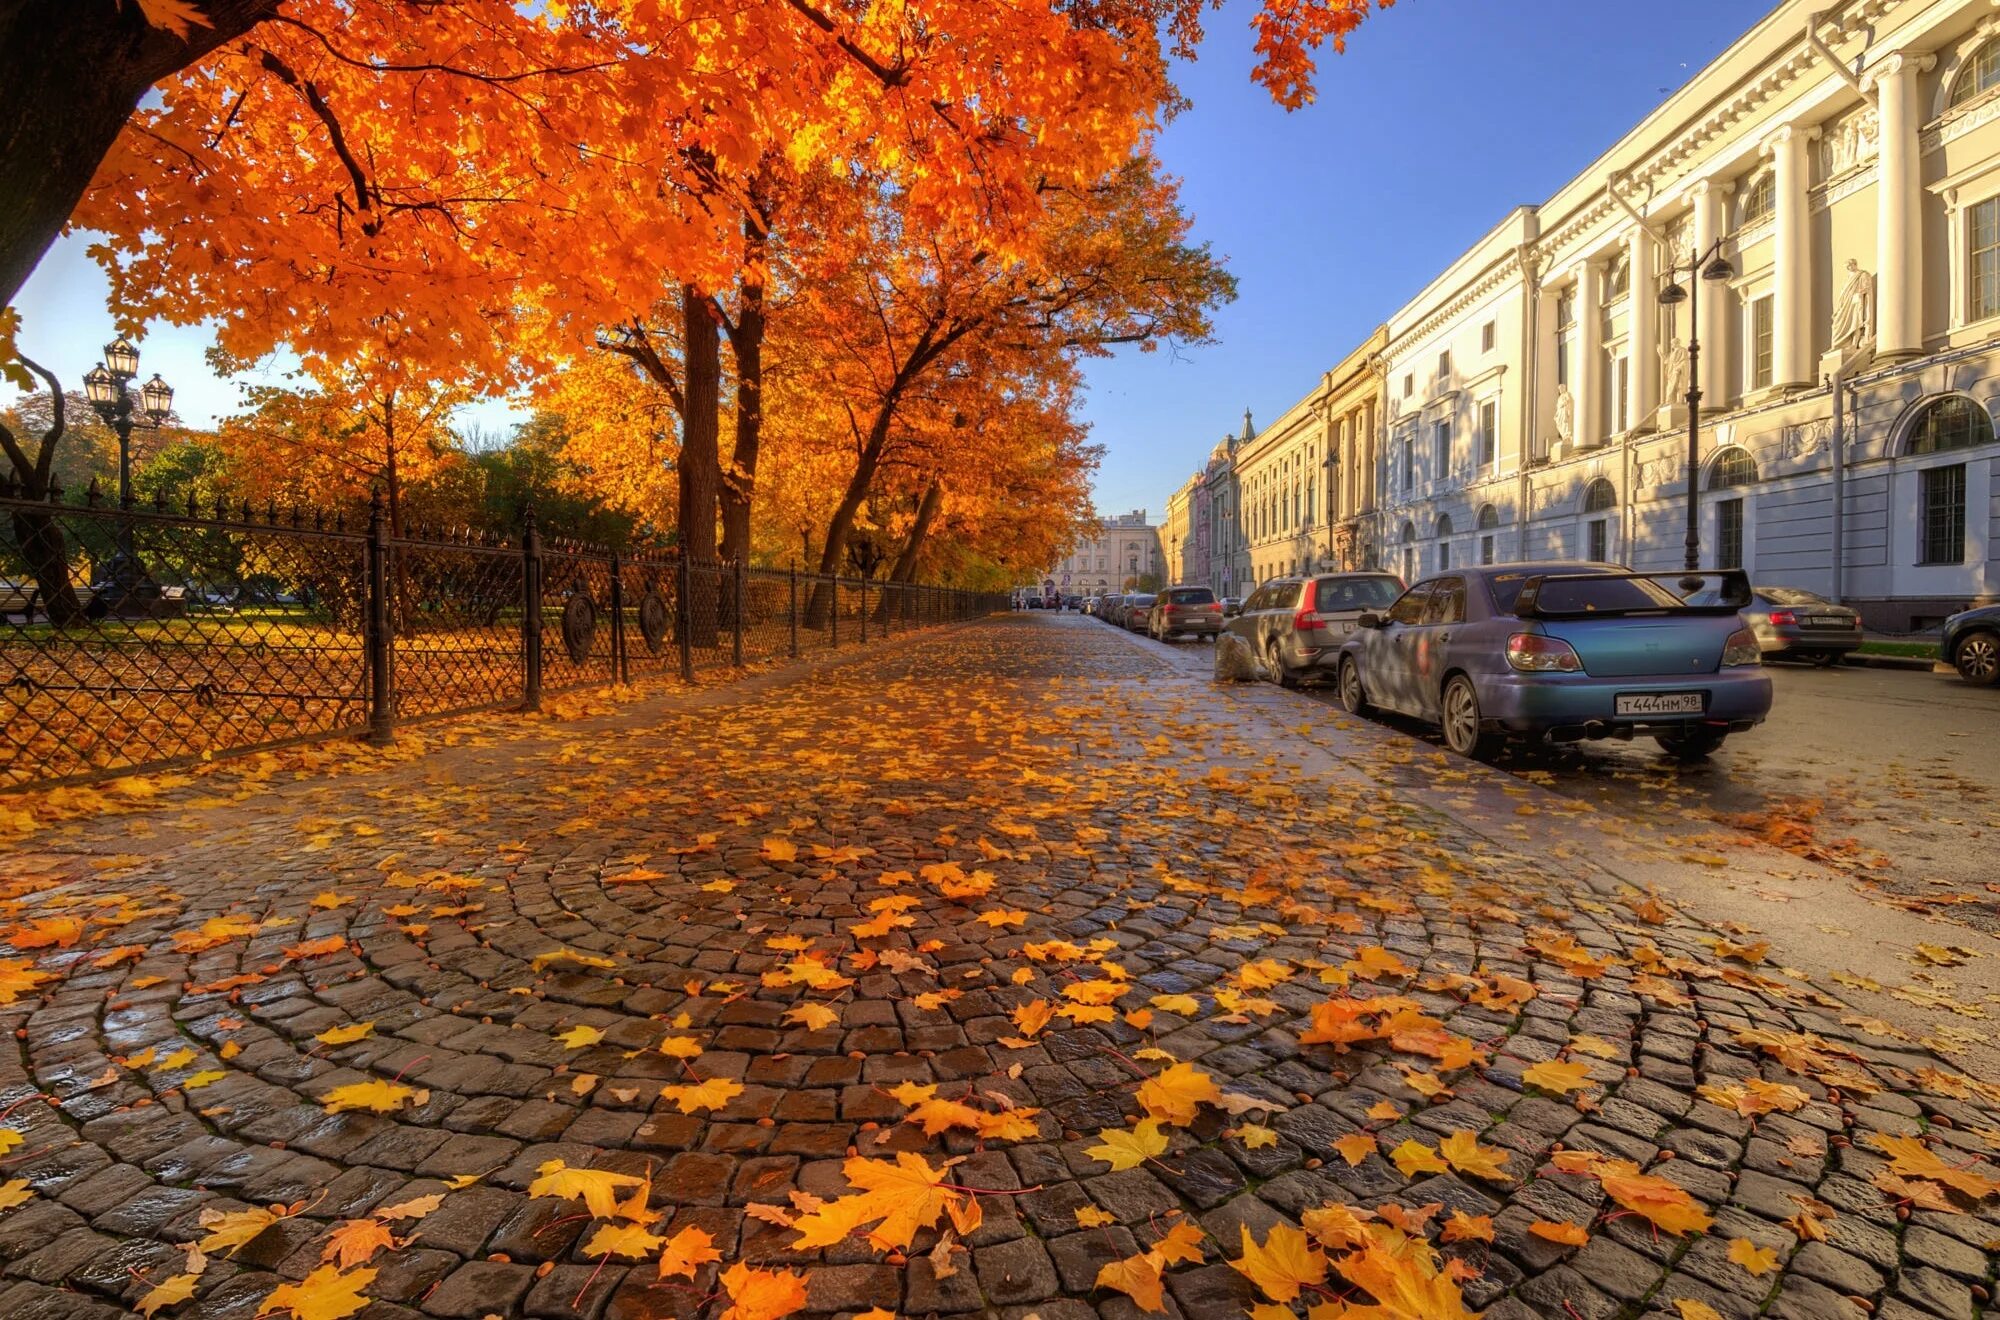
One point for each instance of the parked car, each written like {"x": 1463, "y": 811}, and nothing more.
{"x": 1563, "y": 652}
{"x": 1137, "y": 609}
{"x": 1296, "y": 625}
{"x": 1791, "y": 622}
{"x": 1072, "y": 602}
{"x": 1970, "y": 643}
{"x": 1107, "y": 608}
{"x": 1179, "y": 611}
{"x": 1232, "y": 606}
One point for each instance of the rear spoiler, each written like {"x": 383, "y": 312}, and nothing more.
{"x": 1731, "y": 584}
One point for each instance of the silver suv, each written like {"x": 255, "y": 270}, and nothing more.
{"x": 1296, "y": 625}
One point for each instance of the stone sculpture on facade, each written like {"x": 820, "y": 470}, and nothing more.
{"x": 1565, "y": 414}
{"x": 1854, "y": 309}
{"x": 1675, "y": 357}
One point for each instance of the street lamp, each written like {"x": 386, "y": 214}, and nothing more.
{"x": 1707, "y": 266}
{"x": 105, "y": 386}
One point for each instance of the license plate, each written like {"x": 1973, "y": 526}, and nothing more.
{"x": 1346, "y": 627}
{"x": 1659, "y": 703}
{"x": 1826, "y": 621}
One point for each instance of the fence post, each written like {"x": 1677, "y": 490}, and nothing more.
{"x": 795, "y": 609}
{"x": 888, "y": 609}
{"x": 531, "y": 608}
{"x": 684, "y": 614}
{"x": 375, "y": 626}
{"x": 741, "y": 583}
{"x": 619, "y": 670}
{"x": 864, "y": 611}
{"x": 833, "y": 620}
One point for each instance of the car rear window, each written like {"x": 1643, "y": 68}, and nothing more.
{"x": 1191, "y": 596}
{"x": 1367, "y": 593}
{"x": 1791, "y": 596}
{"x": 1138, "y": 600}
{"x": 1584, "y": 594}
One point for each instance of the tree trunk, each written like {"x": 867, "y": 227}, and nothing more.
{"x": 700, "y": 469}
{"x": 71, "y": 73}
{"x": 834, "y": 548}
{"x": 45, "y": 551}
{"x": 746, "y": 345}
{"x": 905, "y": 569}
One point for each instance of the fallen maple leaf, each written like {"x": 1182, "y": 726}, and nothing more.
{"x": 1572, "y": 1235}
{"x": 1175, "y": 1095}
{"x": 711, "y": 1094}
{"x": 167, "y": 1292}
{"x": 1284, "y": 1263}
{"x": 1356, "y": 1147}
{"x": 1758, "y": 1260}
{"x": 377, "y": 1097}
{"x": 1414, "y": 1157}
{"x": 1466, "y": 1155}
{"x": 905, "y": 1196}
{"x": 629, "y": 1240}
{"x": 756, "y": 1294}
{"x": 355, "y": 1242}
{"x": 1561, "y": 1078}
{"x": 687, "y": 1251}
{"x": 1128, "y": 1150}
{"x": 325, "y": 1294}
{"x": 597, "y": 1188}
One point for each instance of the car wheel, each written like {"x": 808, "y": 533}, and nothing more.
{"x": 1688, "y": 748}
{"x": 1280, "y": 675}
{"x": 1353, "y": 697}
{"x": 1978, "y": 658}
{"x": 1461, "y": 720}
{"x": 1825, "y": 659}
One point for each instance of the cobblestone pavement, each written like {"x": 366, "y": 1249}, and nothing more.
{"x": 488, "y": 1033}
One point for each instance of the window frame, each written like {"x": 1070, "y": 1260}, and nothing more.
{"x": 1760, "y": 342}
{"x": 1928, "y": 538}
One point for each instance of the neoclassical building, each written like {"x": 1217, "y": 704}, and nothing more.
{"x": 1125, "y": 548}
{"x": 1834, "y": 177}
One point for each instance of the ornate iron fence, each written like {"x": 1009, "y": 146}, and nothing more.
{"x": 151, "y": 636}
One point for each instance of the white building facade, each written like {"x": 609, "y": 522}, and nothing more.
{"x": 1125, "y": 548}
{"x": 1845, "y": 168}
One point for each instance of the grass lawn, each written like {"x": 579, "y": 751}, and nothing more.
{"x": 1922, "y": 650}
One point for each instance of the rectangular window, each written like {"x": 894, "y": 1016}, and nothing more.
{"x": 1562, "y": 357}
{"x": 1623, "y": 404}
{"x": 1600, "y": 541}
{"x": 1409, "y": 384}
{"x": 1489, "y": 335}
{"x": 1729, "y": 534}
{"x": 1944, "y": 514}
{"x": 1444, "y": 366}
{"x": 1441, "y": 439}
{"x": 1486, "y": 548}
{"x": 1760, "y": 342}
{"x": 1409, "y": 465}
{"x": 1983, "y": 261}
{"x": 1489, "y": 433}
{"x": 1444, "y": 555}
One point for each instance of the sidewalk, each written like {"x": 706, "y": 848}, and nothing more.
{"x": 629, "y": 1016}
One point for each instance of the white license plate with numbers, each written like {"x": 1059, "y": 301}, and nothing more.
{"x": 1659, "y": 703}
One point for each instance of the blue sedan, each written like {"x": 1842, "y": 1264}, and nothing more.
{"x": 1561, "y": 652}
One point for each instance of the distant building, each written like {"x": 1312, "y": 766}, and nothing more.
{"x": 1125, "y": 548}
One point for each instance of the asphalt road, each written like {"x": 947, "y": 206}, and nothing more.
{"x": 1890, "y": 775}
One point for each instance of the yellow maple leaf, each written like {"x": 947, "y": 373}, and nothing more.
{"x": 780, "y": 850}
{"x": 1466, "y": 1155}
{"x": 813, "y": 1017}
{"x": 687, "y": 1251}
{"x": 1032, "y": 1016}
{"x": 1691, "y": 1309}
{"x": 628, "y": 1240}
{"x": 1571, "y": 1235}
{"x": 1176, "y": 1094}
{"x": 597, "y": 1188}
{"x": 906, "y": 1195}
{"x": 1128, "y": 1150}
{"x": 1462, "y": 1227}
{"x": 1138, "y": 1277}
{"x": 1183, "y": 1005}
{"x": 13, "y": 1192}
{"x": 414, "y": 1208}
{"x": 1414, "y": 1157}
{"x": 756, "y": 1294}
{"x": 1285, "y": 1262}
{"x": 711, "y": 1094}
{"x": 232, "y": 1230}
{"x": 580, "y": 1036}
{"x": 1758, "y": 1260}
{"x": 1911, "y": 1158}
{"x": 325, "y": 1294}
{"x": 1356, "y": 1147}
{"x": 1254, "y": 1136}
{"x": 178, "y": 17}
{"x": 377, "y": 1097}
{"x": 167, "y": 1292}
{"x": 680, "y": 1047}
{"x": 1666, "y": 1204}
{"x": 1091, "y": 1216}
{"x": 346, "y": 1035}
{"x": 1180, "y": 1245}
{"x": 1561, "y": 1078}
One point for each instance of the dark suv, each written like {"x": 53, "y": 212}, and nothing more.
{"x": 1296, "y": 625}
{"x": 1970, "y": 644}
{"x": 1190, "y": 610}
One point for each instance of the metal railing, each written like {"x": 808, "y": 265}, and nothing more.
{"x": 150, "y": 636}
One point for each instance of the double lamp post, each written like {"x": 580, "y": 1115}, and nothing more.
{"x": 105, "y": 386}
{"x": 1700, "y": 267}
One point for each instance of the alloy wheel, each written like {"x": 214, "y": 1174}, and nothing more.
{"x": 1461, "y": 717}
{"x": 1979, "y": 658}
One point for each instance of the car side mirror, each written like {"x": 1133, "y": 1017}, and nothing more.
{"x": 1369, "y": 619}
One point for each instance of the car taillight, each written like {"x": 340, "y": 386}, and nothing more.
{"x": 1305, "y": 619}
{"x": 1536, "y": 654}
{"x": 1784, "y": 618}
{"x": 1741, "y": 649}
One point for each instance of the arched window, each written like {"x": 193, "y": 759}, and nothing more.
{"x": 1760, "y": 201}
{"x": 1444, "y": 526}
{"x": 1618, "y": 278}
{"x": 1444, "y": 541}
{"x": 1409, "y": 533}
{"x": 1733, "y": 467}
{"x": 1489, "y": 518}
{"x": 1951, "y": 422}
{"x": 1599, "y": 497}
{"x": 1980, "y": 74}
{"x": 1409, "y": 551}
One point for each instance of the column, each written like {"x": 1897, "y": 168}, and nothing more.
{"x": 1717, "y": 302}
{"x": 1372, "y": 481}
{"x": 1899, "y": 300}
{"x": 1645, "y": 313}
{"x": 1586, "y": 377}
{"x": 1791, "y": 322}
{"x": 1538, "y": 402}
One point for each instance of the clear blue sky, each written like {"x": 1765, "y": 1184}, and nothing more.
{"x": 1442, "y": 115}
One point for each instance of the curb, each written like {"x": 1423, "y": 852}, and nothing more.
{"x": 1913, "y": 663}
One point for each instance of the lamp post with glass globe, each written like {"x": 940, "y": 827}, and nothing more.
{"x": 105, "y": 384}
{"x": 1710, "y": 266}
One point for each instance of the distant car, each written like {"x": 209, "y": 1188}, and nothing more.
{"x": 1072, "y": 602}
{"x": 1232, "y": 606}
{"x": 1790, "y": 622}
{"x": 1970, "y": 643}
{"x": 1563, "y": 652}
{"x": 1107, "y": 608}
{"x": 1137, "y": 609}
{"x": 1179, "y": 611}
{"x": 1296, "y": 625}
